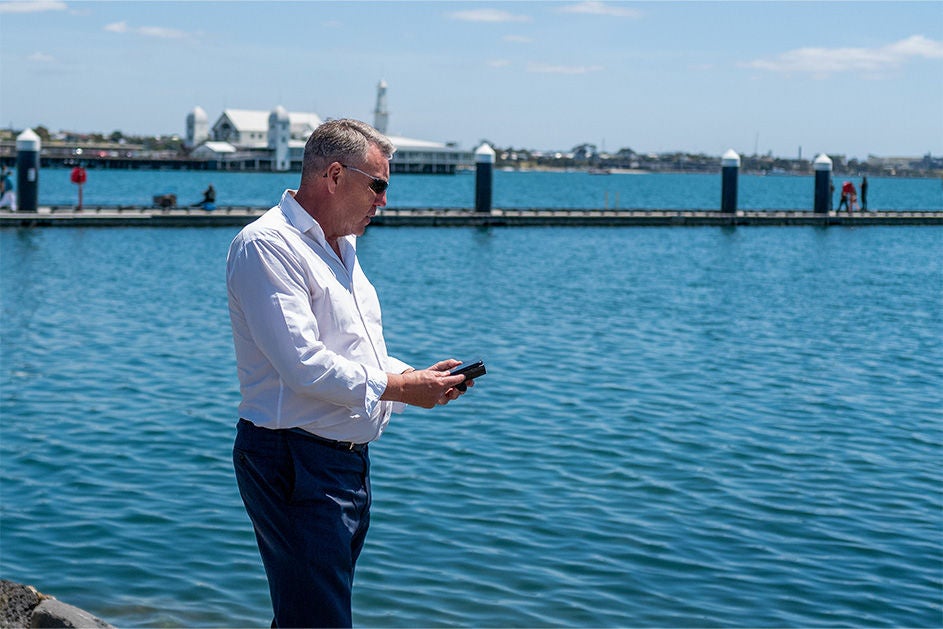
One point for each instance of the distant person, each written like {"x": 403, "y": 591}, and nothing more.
{"x": 209, "y": 199}
{"x": 317, "y": 383}
{"x": 7, "y": 195}
{"x": 845, "y": 195}
{"x": 79, "y": 176}
{"x": 864, "y": 194}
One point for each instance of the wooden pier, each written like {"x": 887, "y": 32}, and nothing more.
{"x": 237, "y": 216}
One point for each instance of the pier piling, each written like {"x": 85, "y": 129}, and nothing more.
{"x": 730, "y": 169}
{"x": 28, "y": 145}
{"x": 484, "y": 177}
{"x": 823, "y": 184}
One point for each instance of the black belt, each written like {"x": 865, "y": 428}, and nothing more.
{"x": 347, "y": 446}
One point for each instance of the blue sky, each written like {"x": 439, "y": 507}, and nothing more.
{"x": 851, "y": 78}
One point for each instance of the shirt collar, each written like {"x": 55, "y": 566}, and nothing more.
{"x": 298, "y": 217}
{"x": 305, "y": 223}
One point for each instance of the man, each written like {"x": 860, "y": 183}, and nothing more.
{"x": 209, "y": 199}
{"x": 7, "y": 196}
{"x": 847, "y": 196}
{"x": 317, "y": 384}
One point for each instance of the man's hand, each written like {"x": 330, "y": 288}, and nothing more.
{"x": 425, "y": 387}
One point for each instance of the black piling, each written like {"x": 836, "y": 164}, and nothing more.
{"x": 28, "y": 146}
{"x": 823, "y": 184}
{"x": 730, "y": 170}
{"x": 484, "y": 177}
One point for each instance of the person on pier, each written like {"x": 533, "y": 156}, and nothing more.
{"x": 849, "y": 197}
{"x": 209, "y": 199}
{"x": 7, "y": 195}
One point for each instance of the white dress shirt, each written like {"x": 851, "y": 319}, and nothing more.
{"x": 307, "y": 330}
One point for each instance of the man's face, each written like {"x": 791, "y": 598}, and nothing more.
{"x": 361, "y": 202}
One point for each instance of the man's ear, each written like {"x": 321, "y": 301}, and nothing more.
{"x": 333, "y": 176}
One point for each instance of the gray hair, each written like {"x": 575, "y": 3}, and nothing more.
{"x": 342, "y": 141}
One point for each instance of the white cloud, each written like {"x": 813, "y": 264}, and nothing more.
{"x": 489, "y": 15}
{"x": 146, "y": 31}
{"x": 594, "y": 7}
{"x": 499, "y": 63}
{"x": 117, "y": 27}
{"x": 545, "y": 68}
{"x": 518, "y": 39}
{"x": 41, "y": 57}
{"x": 32, "y": 6}
{"x": 822, "y": 62}
{"x": 163, "y": 33}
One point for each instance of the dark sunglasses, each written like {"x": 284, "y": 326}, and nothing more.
{"x": 376, "y": 184}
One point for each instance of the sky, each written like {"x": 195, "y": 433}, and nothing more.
{"x": 787, "y": 78}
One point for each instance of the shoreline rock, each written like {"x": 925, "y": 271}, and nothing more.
{"x": 24, "y": 606}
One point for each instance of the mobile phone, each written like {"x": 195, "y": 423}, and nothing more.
{"x": 470, "y": 371}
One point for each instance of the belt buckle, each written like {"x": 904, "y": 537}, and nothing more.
{"x": 350, "y": 446}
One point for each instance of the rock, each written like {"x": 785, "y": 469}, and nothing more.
{"x": 16, "y": 604}
{"x": 53, "y": 614}
{"x": 22, "y": 606}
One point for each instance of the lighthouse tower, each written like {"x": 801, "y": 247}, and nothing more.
{"x": 279, "y": 133}
{"x": 381, "y": 116}
{"x": 198, "y": 127}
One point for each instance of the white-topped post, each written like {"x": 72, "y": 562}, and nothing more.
{"x": 28, "y": 146}
{"x": 730, "y": 169}
{"x": 484, "y": 177}
{"x": 823, "y": 184}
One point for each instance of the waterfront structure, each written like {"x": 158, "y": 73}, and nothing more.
{"x": 243, "y": 128}
{"x": 287, "y": 134}
{"x": 243, "y": 139}
{"x": 430, "y": 158}
{"x": 212, "y": 149}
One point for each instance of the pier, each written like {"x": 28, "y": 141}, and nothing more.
{"x": 237, "y": 216}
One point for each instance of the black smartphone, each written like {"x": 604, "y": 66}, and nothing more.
{"x": 470, "y": 371}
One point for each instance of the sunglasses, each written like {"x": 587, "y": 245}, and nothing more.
{"x": 376, "y": 184}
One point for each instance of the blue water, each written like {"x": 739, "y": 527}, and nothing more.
{"x": 698, "y": 427}
{"x": 512, "y": 190}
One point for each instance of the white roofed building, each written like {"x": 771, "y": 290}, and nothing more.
{"x": 213, "y": 149}
{"x": 302, "y": 125}
{"x": 247, "y": 139}
{"x": 426, "y": 157}
{"x": 243, "y": 128}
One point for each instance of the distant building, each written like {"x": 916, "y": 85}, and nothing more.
{"x": 243, "y": 128}
{"x": 430, "y": 158}
{"x": 244, "y": 139}
{"x": 213, "y": 149}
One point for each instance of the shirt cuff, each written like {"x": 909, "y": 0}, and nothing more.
{"x": 395, "y": 365}
{"x": 376, "y": 385}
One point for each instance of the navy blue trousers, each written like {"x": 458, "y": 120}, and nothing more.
{"x": 310, "y": 506}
